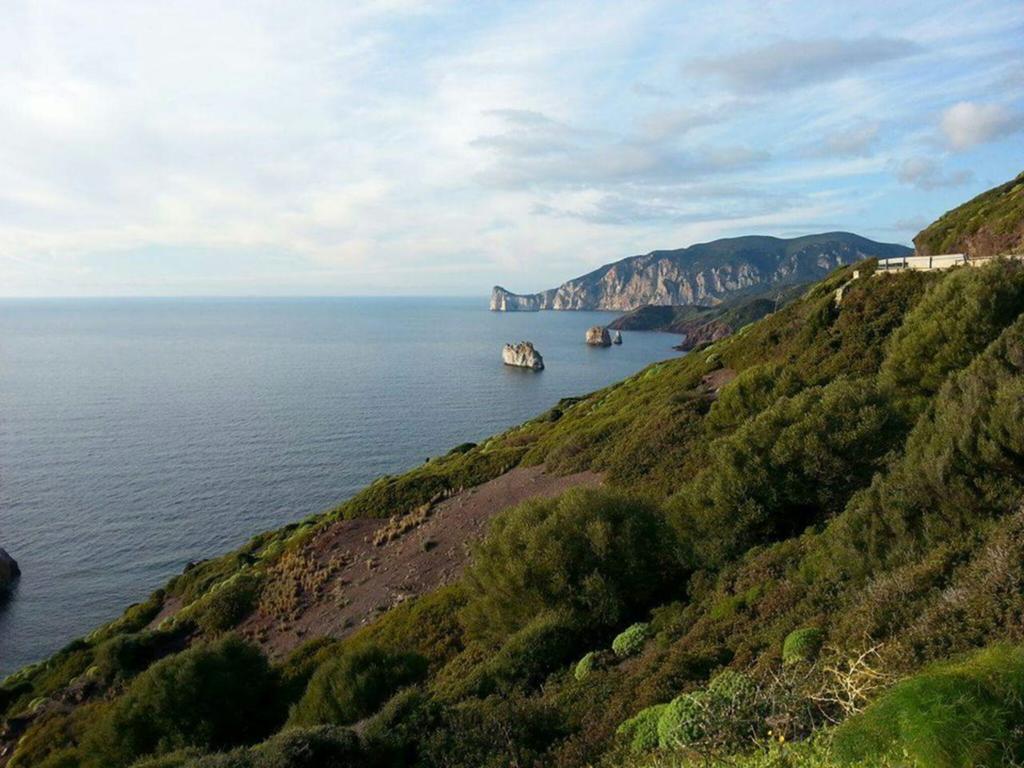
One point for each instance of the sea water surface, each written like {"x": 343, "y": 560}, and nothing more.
{"x": 139, "y": 434}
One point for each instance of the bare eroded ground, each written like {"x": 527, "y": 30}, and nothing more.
{"x": 359, "y": 579}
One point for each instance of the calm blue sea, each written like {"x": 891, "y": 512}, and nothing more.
{"x": 136, "y": 435}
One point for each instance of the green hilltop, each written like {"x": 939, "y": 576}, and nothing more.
{"x": 808, "y": 549}
{"x": 989, "y": 224}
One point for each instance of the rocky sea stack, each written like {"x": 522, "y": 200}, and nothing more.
{"x": 616, "y": 338}
{"x": 522, "y": 355}
{"x": 598, "y": 336}
{"x": 9, "y": 570}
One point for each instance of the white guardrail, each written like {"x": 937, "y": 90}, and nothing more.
{"x": 924, "y": 263}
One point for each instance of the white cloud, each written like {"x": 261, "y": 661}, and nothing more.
{"x": 967, "y": 123}
{"x": 925, "y": 173}
{"x": 857, "y": 141}
{"x": 788, "y": 64}
{"x": 404, "y": 146}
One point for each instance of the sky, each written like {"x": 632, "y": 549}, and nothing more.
{"x": 407, "y": 147}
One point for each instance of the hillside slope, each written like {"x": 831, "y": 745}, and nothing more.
{"x": 807, "y": 549}
{"x": 990, "y": 224}
{"x": 705, "y": 273}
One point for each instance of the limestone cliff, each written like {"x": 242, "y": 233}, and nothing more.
{"x": 705, "y": 273}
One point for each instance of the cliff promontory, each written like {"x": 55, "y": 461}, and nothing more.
{"x": 705, "y": 273}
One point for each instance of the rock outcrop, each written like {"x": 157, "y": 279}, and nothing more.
{"x": 9, "y": 570}
{"x": 706, "y": 273}
{"x": 598, "y": 336}
{"x": 616, "y": 338}
{"x": 522, "y": 355}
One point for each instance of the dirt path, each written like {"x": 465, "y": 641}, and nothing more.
{"x": 360, "y": 575}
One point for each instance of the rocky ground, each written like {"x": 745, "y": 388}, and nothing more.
{"x": 355, "y": 570}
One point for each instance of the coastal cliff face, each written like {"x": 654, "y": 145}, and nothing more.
{"x": 704, "y": 274}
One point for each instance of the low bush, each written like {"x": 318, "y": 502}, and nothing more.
{"x": 631, "y": 640}
{"x": 640, "y": 732}
{"x": 681, "y": 722}
{"x": 228, "y": 604}
{"x": 210, "y": 697}
{"x": 124, "y": 656}
{"x": 802, "y": 645}
{"x": 525, "y": 660}
{"x": 727, "y": 715}
{"x": 395, "y": 734}
{"x": 593, "y": 554}
{"x": 355, "y": 684}
{"x": 495, "y": 732}
{"x": 324, "y": 745}
{"x": 584, "y": 666}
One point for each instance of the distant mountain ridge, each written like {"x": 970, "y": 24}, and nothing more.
{"x": 705, "y": 273}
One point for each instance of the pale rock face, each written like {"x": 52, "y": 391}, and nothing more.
{"x": 522, "y": 355}
{"x": 598, "y": 336}
{"x": 616, "y": 338}
{"x": 702, "y": 274}
{"x": 9, "y": 570}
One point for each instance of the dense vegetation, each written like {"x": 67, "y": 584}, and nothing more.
{"x": 809, "y": 550}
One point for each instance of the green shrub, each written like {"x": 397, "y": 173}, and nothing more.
{"x": 395, "y": 734}
{"x": 181, "y": 758}
{"x": 228, "y": 604}
{"x": 495, "y": 732}
{"x": 631, "y": 640}
{"x": 727, "y": 715}
{"x": 791, "y": 467}
{"x": 960, "y": 467}
{"x": 954, "y": 321}
{"x": 584, "y": 666}
{"x": 211, "y": 697}
{"x": 641, "y": 730}
{"x": 802, "y": 645}
{"x": 752, "y": 392}
{"x": 954, "y": 715}
{"x": 682, "y": 721}
{"x": 355, "y": 684}
{"x": 124, "y": 656}
{"x": 525, "y": 659}
{"x": 324, "y": 745}
{"x": 593, "y": 554}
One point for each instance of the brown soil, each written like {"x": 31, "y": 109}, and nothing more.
{"x": 361, "y": 579}
{"x": 714, "y": 381}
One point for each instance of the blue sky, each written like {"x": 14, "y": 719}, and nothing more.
{"x": 405, "y": 147}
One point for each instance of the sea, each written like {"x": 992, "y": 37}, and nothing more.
{"x": 137, "y": 435}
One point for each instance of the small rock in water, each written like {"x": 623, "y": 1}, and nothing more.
{"x": 522, "y": 355}
{"x": 9, "y": 570}
{"x": 617, "y": 338}
{"x": 598, "y": 336}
